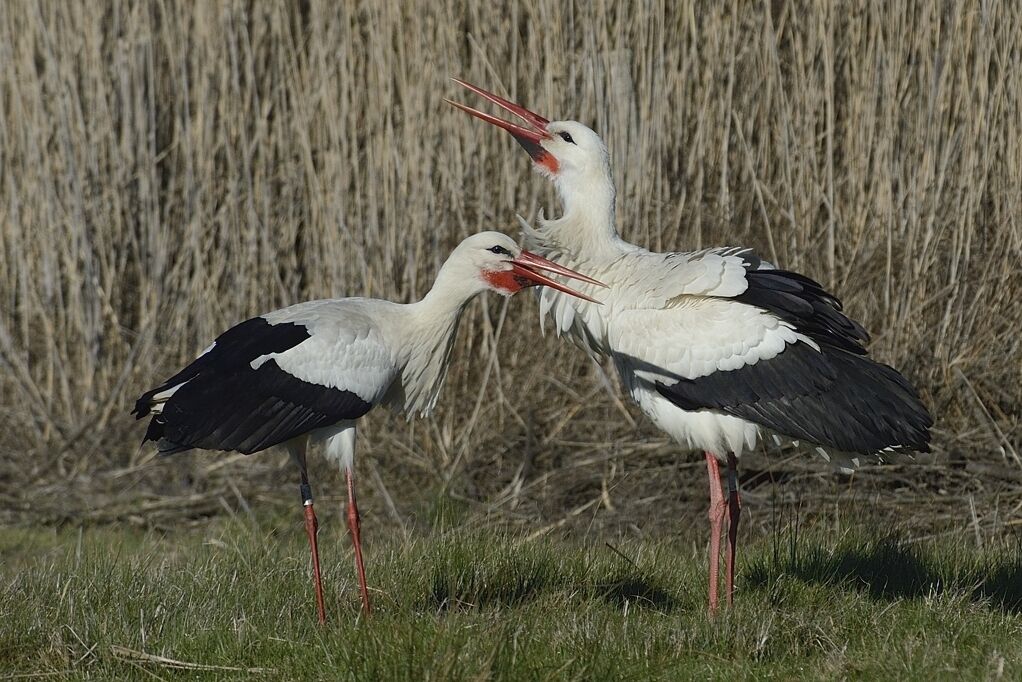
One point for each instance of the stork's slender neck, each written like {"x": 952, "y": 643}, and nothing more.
{"x": 430, "y": 328}
{"x": 590, "y": 197}
{"x": 436, "y": 315}
{"x": 588, "y": 225}
{"x": 451, "y": 290}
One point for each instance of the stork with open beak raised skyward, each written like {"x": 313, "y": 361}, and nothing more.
{"x": 712, "y": 344}
{"x": 309, "y": 371}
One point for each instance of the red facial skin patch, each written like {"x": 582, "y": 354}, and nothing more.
{"x": 507, "y": 281}
{"x": 548, "y": 161}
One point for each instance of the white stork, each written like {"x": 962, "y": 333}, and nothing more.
{"x": 309, "y": 371}
{"x": 713, "y": 344}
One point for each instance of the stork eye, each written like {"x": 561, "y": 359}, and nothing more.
{"x": 499, "y": 250}
{"x": 566, "y": 137}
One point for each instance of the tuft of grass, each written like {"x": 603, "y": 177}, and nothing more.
{"x": 464, "y": 604}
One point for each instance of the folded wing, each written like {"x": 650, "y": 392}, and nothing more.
{"x": 726, "y": 333}
{"x": 266, "y": 381}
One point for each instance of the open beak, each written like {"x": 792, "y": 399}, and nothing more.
{"x": 529, "y": 135}
{"x": 527, "y": 266}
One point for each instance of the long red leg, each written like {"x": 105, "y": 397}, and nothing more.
{"x": 312, "y": 528}
{"x": 355, "y": 528}
{"x": 716, "y": 515}
{"x": 734, "y": 511}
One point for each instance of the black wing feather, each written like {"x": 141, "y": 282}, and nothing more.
{"x": 803, "y": 303}
{"x": 833, "y": 398}
{"x": 224, "y": 404}
{"x": 232, "y": 350}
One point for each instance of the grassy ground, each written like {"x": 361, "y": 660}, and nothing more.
{"x": 456, "y": 604}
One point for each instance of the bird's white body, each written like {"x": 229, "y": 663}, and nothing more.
{"x": 666, "y": 315}
{"x": 310, "y": 370}
{"x": 389, "y": 354}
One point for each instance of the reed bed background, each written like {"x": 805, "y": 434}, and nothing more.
{"x": 170, "y": 168}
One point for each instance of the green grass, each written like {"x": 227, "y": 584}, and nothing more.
{"x": 489, "y": 605}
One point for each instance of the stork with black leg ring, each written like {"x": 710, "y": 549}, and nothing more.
{"x": 310, "y": 371}
{"x": 712, "y": 345}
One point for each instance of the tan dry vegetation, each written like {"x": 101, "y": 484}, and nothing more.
{"x": 168, "y": 169}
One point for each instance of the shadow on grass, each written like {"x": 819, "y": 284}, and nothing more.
{"x": 636, "y": 591}
{"x": 482, "y": 574}
{"x": 461, "y": 591}
{"x": 890, "y": 569}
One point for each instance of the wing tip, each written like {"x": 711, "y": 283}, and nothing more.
{"x": 165, "y": 447}
{"x": 156, "y": 433}
{"x": 143, "y": 406}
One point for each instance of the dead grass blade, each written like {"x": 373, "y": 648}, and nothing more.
{"x": 133, "y": 656}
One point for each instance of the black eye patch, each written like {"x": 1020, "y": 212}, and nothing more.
{"x": 500, "y": 250}
{"x": 566, "y": 137}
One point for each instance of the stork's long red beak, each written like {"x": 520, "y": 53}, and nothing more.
{"x": 526, "y": 265}
{"x": 529, "y": 136}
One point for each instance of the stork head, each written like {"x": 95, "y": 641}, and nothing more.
{"x": 569, "y": 153}
{"x": 493, "y": 261}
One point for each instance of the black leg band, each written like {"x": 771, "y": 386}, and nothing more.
{"x": 306, "y": 491}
